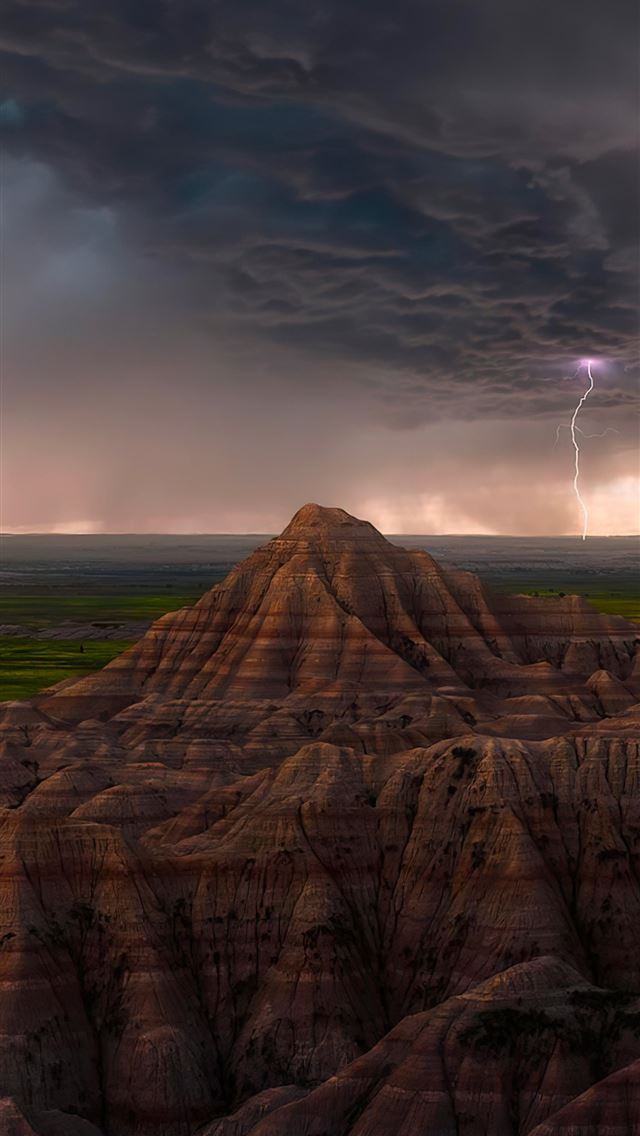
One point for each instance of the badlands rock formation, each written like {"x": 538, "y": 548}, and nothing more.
{"x": 349, "y": 848}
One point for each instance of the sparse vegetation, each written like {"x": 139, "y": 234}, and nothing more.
{"x": 412, "y": 652}
{"x": 498, "y": 1031}
{"x": 466, "y": 760}
{"x": 607, "y": 596}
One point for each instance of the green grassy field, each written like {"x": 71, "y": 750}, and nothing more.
{"x": 49, "y": 610}
{"x": 29, "y": 665}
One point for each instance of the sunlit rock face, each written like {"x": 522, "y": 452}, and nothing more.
{"x": 350, "y": 847}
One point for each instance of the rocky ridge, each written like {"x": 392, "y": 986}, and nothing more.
{"x": 350, "y": 847}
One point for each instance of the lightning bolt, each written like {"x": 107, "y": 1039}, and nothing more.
{"x": 574, "y": 430}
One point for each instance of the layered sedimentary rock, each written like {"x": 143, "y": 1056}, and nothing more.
{"x": 332, "y": 610}
{"x": 350, "y": 847}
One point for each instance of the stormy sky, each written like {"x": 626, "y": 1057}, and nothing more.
{"x": 263, "y": 253}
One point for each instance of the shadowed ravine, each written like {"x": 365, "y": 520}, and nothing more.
{"x": 348, "y": 848}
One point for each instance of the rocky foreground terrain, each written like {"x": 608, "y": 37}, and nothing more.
{"x": 350, "y": 848}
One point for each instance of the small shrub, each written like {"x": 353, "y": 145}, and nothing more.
{"x": 500, "y": 1030}
{"x": 466, "y": 759}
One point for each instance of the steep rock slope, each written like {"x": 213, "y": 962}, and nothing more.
{"x": 496, "y": 1060}
{"x": 280, "y": 861}
{"x": 331, "y": 609}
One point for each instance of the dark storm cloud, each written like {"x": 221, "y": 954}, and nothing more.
{"x": 440, "y": 195}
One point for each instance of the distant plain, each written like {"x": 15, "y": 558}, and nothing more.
{"x": 69, "y": 604}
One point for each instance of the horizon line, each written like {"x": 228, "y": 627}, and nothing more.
{"x": 485, "y": 536}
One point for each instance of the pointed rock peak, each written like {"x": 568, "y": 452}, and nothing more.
{"x": 318, "y": 522}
